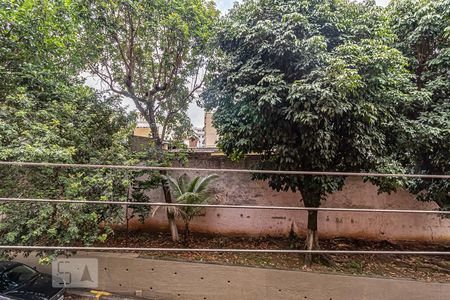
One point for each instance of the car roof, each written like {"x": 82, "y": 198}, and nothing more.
{"x": 5, "y": 265}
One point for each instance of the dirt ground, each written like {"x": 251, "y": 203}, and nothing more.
{"x": 423, "y": 268}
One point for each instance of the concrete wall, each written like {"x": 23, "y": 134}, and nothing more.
{"x": 166, "y": 280}
{"x": 235, "y": 188}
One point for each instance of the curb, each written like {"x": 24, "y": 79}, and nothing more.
{"x": 88, "y": 294}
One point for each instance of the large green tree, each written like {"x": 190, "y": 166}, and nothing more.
{"x": 49, "y": 120}
{"x": 423, "y": 35}
{"x": 48, "y": 115}
{"x": 155, "y": 53}
{"x": 310, "y": 85}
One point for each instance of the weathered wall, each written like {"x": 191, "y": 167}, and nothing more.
{"x": 166, "y": 280}
{"x": 235, "y": 188}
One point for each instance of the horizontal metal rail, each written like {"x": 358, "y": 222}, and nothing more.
{"x": 246, "y": 171}
{"x": 369, "y": 210}
{"x": 133, "y": 249}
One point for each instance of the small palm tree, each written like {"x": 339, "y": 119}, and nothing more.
{"x": 196, "y": 191}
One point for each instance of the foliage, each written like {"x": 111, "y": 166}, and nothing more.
{"x": 74, "y": 126}
{"x": 153, "y": 52}
{"x": 310, "y": 85}
{"x": 423, "y": 30}
{"x": 196, "y": 191}
{"x": 38, "y": 36}
{"x": 47, "y": 115}
{"x": 150, "y": 180}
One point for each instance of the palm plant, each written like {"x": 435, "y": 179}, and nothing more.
{"x": 196, "y": 191}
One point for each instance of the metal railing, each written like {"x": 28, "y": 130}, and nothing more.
{"x": 369, "y": 210}
{"x": 247, "y": 171}
{"x": 224, "y": 250}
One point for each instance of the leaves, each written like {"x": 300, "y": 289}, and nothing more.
{"x": 48, "y": 115}
{"x": 196, "y": 191}
{"x": 310, "y": 86}
{"x": 421, "y": 27}
{"x": 154, "y": 52}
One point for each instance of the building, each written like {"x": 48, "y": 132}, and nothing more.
{"x": 211, "y": 136}
{"x": 205, "y": 137}
{"x": 142, "y": 128}
{"x": 197, "y": 139}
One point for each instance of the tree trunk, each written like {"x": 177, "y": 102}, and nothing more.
{"x": 311, "y": 199}
{"x": 173, "y": 227}
{"x": 170, "y": 216}
{"x": 167, "y": 196}
{"x": 312, "y": 237}
{"x": 186, "y": 231}
{"x": 150, "y": 117}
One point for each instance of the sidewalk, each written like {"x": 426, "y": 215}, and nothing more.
{"x": 160, "y": 279}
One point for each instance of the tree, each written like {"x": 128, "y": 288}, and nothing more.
{"x": 423, "y": 35}
{"x": 154, "y": 52}
{"x": 196, "y": 191}
{"x": 47, "y": 115}
{"x": 309, "y": 85}
{"x": 57, "y": 122}
{"x": 37, "y": 35}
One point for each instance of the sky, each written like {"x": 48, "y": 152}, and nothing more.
{"x": 195, "y": 113}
